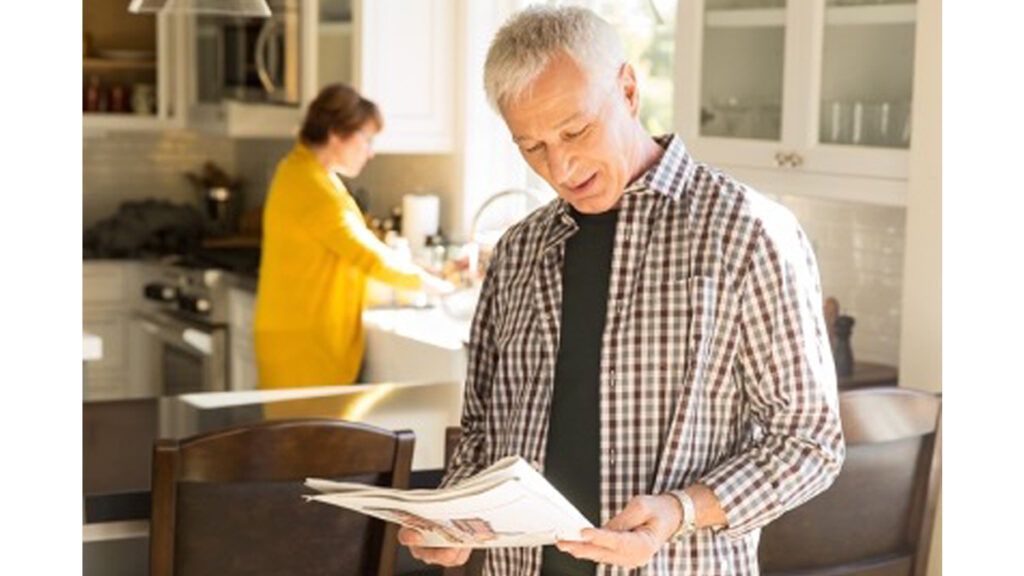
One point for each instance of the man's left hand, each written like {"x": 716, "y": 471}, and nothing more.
{"x": 631, "y": 538}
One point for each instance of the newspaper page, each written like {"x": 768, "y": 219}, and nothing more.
{"x": 508, "y": 504}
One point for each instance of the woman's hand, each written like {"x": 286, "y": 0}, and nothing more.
{"x": 435, "y": 286}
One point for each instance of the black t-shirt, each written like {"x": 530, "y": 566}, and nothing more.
{"x": 572, "y": 460}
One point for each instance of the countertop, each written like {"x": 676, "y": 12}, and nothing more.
{"x": 118, "y": 435}
{"x": 92, "y": 347}
{"x": 428, "y": 325}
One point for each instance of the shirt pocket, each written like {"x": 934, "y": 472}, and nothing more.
{"x": 675, "y": 321}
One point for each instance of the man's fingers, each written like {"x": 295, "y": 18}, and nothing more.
{"x": 441, "y": 556}
{"x": 603, "y": 538}
{"x": 636, "y": 513}
{"x": 409, "y": 537}
{"x": 587, "y": 551}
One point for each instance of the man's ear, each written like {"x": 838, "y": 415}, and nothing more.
{"x": 630, "y": 89}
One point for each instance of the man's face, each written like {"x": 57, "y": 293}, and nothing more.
{"x": 578, "y": 132}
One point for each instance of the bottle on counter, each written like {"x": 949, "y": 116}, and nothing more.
{"x": 842, "y": 351}
{"x": 405, "y": 297}
{"x": 93, "y": 94}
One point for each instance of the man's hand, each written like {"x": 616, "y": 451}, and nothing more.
{"x": 442, "y": 556}
{"x": 632, "y": 537}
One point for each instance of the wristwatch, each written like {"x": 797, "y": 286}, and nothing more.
{"x": 688, "y": 525}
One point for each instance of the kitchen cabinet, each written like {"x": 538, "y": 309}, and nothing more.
{"x": 241, "y": 310}
{"x": 111, "y": 293}
{"x": 400, "y": 54}
{"x": 800, "y": 96}
{"x": 129, "y": 68}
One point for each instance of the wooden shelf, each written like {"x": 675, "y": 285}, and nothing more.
{"x": 871, "y": 15}
{"x": 834, "y": 16}
{"x": 338, "y": 28}
{"x": 101, "y": 64}
{"x": 752, "y": 18}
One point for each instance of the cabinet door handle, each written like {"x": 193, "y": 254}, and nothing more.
{"x": 795, "y": 160}
{"x": 781, "y": 159}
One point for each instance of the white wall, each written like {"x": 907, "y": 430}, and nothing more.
{"x": 860, "y": 249}
{"x": 921, "y": 352}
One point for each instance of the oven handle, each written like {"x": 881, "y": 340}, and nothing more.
{"x": 177, "y": 334}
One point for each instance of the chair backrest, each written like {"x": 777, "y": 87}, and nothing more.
{"x": 878, "y": 516}
{"x": 230, "y": 502}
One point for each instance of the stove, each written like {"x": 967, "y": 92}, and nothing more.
{"x": 185, "y": 316}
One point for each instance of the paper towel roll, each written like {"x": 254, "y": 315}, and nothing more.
{"x": 420, "y": 215}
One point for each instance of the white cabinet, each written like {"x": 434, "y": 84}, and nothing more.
{"x": 111, "y": 292}
{"x": 800, "y": 96}
{"x": 414, "y": 345}
{"x": 241, "y": 309}
{"x": 400, "y": 54}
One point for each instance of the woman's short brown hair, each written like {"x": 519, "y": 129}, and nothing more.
{"x": 340, "y": 110}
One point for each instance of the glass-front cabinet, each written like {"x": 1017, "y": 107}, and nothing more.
{"x": 799, "y": 87}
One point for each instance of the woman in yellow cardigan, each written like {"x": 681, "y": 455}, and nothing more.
{"x": 318, "y": 253}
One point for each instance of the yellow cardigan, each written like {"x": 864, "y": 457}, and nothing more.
{"x": 317, "y": 254}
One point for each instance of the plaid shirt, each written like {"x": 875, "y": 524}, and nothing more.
{"x": 715, "y": 361}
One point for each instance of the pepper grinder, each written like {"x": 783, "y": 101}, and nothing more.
{"x": 842, "y": 352}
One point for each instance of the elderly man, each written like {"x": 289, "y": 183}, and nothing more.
{"x": 652, "y": 340}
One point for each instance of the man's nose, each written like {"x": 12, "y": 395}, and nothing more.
{"x": 560, "y": 165}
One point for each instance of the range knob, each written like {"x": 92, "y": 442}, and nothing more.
{"x": 160, "y": 292}
{"x": 194, "y": 304}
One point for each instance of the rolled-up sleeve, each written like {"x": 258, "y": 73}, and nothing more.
{"x": 343, "y": 232}
{"x": 469, "y": 456}
{"x": 789, "y": 381}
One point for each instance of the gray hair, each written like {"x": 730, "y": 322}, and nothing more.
{"x": 529, "y": 39}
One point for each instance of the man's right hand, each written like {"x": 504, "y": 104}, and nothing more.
{"x": 441, "y": 556}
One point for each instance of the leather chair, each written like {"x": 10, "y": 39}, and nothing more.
{"x": 230, "y": 502}
{"x": 878, "y": 516}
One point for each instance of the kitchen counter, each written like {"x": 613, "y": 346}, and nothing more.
{"x": 414, "y": 345}
{"x": 92, "y": 347}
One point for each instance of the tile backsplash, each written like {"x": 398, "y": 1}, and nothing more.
{"x": 122, "y": 166}
{"x": 132, "y": 166}
{"x": 859, "y": 248}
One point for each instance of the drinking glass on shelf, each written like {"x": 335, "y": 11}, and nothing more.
{"x": 876, "y": 124}
{"x": 836, "y": 122}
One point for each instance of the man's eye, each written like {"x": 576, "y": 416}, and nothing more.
{"x": 535, "y": 148}
{"x": 572, "y": 135}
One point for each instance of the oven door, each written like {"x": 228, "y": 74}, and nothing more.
{"x": 183, "y": 356}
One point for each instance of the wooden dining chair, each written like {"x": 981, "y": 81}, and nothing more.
{"x": 230, "y": 502}
{"x": 878, "y": 516}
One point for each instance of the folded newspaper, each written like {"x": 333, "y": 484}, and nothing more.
{"x": 508, "y": 504}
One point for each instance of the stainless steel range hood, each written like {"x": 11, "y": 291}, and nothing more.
{"x": 249, "y": 8}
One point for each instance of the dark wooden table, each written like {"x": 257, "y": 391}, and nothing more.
{"x": 869, "y": 374}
